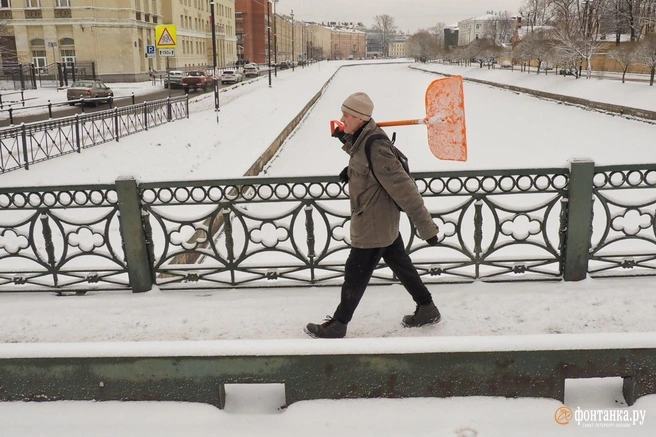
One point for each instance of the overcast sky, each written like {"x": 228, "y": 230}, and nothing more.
{"x": 409, "y": 15}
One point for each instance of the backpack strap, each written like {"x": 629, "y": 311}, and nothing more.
{"x": 367, "y": 150}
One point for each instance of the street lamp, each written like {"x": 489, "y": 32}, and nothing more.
{"x": 275, "y": 40}
{"x": 292, "y": 40}
{"x": 216, "y": 83}
{"x": 269, "y": 38}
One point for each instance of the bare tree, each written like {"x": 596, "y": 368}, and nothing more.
{"x": 577, "y": 28}
{"x": 423, "y": 45}
{"x": 646, "y": 54}
{"x": 384, "y": 24}
{"x": 534, "y": 13}
{"x": 500, "y": 29}
{"x": 625, "y": 55}
{"x": 483, "y": 50}
{"x": 7, "y": 48}
{"x": 636, "y": 16}
{"x": 536, "y": 46}
{"x": 438, "y": 33}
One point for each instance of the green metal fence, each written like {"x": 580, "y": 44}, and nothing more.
{"x": 530, "y": 224}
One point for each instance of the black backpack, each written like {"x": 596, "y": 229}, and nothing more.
{"x": 399, "y": 155}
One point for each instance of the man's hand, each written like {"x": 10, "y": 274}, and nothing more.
{"x": 343, "y": 176}
{"x": 339, "y": 134}
{"x": 432, "y": 241}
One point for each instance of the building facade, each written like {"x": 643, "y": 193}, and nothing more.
{"x": 251, "y": 30}
{"x": 499, "y": 28}
{"x": 114, "y": 35}
{"x": 398, "y": 47}
{"x": 450, "y": 36}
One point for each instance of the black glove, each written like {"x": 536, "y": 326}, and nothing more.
{"x": 339, "y": 134}
{"x": 432, "y": 240}
{"x": 343, "y": 176}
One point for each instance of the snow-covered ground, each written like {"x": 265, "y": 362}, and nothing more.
{"x": 505, "y": 130}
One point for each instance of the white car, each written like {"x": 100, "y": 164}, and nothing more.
{"x": 231, "y": 76}
{"x": 175, "y": 78}
{"x": 251, "y": 70}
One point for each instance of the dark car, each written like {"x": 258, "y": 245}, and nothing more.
{"x": 94, "y": 91}
{"x": 568, "y": 72}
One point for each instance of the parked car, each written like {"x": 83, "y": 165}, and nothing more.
{"x": 175, "y": 76}
{"x": 505, "y": 64}
{"x": 89, "y": 89}
{"x": 231, "y": 76}
{"x": 197, "y": 79}
{"x": 568, "y": 72}
{"x": 251, "y": 70}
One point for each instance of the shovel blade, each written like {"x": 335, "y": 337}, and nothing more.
{"x": 445, "y": 119}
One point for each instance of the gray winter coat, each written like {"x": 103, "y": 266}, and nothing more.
{"x": 374, "y": 215}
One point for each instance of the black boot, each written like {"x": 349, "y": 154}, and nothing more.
{"x": 331, "y": 328}
{"x": 424, "y": 315}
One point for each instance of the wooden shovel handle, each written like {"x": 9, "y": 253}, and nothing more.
{"x": 340, "y": 126}
{"x": 400, "y": 122}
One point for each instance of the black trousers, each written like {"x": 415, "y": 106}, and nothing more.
{"x": 360, "y": 267}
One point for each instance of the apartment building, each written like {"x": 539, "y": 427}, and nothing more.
{"x": 337, "y": 41}
{"x": 114, "y": 34}
{"x": 398, "y": 47}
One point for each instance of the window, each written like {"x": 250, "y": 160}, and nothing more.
{"x": 5, "y": 3}
{"x": 63, "y": 3}
{"x": 39, "y": 60}
{"x": 68, "y": 56}
{"x": 32, "y": 3}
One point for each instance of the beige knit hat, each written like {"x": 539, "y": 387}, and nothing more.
{"x": 358, "y": 105}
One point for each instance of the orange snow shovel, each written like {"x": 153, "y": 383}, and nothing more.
{"x": 445, "y": 119}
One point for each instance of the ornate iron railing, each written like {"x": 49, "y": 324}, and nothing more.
{"x": 532, "y": 224}
{"x": 61, "y": 238}
{"x": 623, "y": 228}
{"x": 296, "y": 231}
{"x": 26, "y": 144}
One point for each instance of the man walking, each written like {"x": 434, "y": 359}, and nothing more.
{"x": 377, "y": 184}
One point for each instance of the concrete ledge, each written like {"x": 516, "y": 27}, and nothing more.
{"x": 643, "y": 114}
{"x": 337, "y": 370}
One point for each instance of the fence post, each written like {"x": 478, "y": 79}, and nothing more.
{"x": 24, "y": 140}
{"x": 145, "y": 116}
{"x": 133, "y": 99}
{"x": 77, "y": 133}
{"x": 23, "y": 97}
{"x": 59, "y": 74}
{"x": 11, "y": 115}
{"x": 133, "y": 235}
{"x": 73, "y": 71}
{"x": 65, "y": 73}
{"x": 93, "y": 69}
{"x": 49, "y": 109}
{"x": 168, "y": 109}
{"x": 116, "y": 123}
{"x": 33, "y": 75}
{"x": 21, "y": 76}
{"x": 187, "y": 104}
{"x": 579, "y": 220}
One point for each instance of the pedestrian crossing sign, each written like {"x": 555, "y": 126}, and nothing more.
{"x": 166, "y": 36}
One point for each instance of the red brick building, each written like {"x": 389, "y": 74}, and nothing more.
{"x": 251, "y": 30}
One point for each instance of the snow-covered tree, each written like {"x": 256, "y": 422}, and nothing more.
{"x": 625, "y": 55}
{"x": 646, "y": 54}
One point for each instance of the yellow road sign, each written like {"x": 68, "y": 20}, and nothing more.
{"x": 166, "y": 36}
